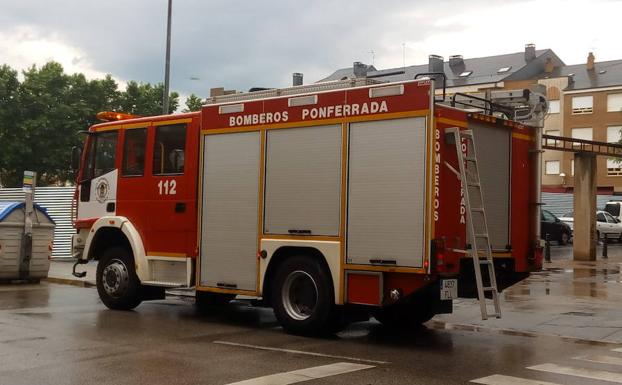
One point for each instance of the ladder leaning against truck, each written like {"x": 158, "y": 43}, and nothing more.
{"x": 328, "y": 202}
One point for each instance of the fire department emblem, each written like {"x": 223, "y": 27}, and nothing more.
{"x": 101, "y": 190}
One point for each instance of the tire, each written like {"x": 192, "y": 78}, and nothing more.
{"x": 303, "y": 299}
{"x": 208, "y": 299}
{"x": 564, "y": 238}
{"x": 117, "y": 283}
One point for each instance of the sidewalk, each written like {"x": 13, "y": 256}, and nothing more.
{"x": 60, "y": 272}
{"x": 575, "y": 300}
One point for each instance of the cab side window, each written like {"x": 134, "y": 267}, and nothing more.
{"x": 600, "y": 217}
{"x": 169, "y": 149}
{"x": 103, "y": 150}
{"x": 134, "y": 152}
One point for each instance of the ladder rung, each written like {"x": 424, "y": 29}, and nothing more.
{"x": 481, "y": 235}
{"x": 478, "y": 209}
{"x": 485, "y": 262}
{"x": 473, "y": 185}
{"x": 470, "y": 158}
{"x": 489, "y": 288}
{"x": 466, "y": 133}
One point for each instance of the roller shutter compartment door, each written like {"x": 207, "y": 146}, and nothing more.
{"x": 386, "y": 192}
{"x": 303, "y": 181}
{"x": 229, "y": 211}
{"x": 492, "y": 145}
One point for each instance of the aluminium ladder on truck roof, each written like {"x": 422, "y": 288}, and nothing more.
{"x": 480, "y": 251}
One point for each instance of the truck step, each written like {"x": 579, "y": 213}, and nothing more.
{"x": 164, "y": 284}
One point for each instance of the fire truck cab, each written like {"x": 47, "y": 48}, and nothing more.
{"x": 323, "y": 202}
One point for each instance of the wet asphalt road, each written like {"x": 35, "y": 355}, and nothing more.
{"x": 58, "y": 334}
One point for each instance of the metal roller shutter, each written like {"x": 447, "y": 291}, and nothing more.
{"x": 493, "y": 159}
{"x": 303, "y": 180}
{"x": 229, "y": 212}
{"x": 386, "y": 192}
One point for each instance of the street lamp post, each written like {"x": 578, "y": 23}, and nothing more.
{"x": 167, "y": 69}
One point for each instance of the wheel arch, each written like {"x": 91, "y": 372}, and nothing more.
{"x": 283, "y": 253}
{"x": 117, "y": 231}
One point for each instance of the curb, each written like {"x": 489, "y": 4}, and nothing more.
{"x": 440, "y": 325}
{"x": 68, "y": 281}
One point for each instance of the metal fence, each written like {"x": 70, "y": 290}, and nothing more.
{"x": 57, "y": 201}
{"x": 562, "y": 203}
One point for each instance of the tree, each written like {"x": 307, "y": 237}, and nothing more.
{"x": 41, "y": 117}
{"x": 193, "y": 103}
{"x": 145, "y": 99}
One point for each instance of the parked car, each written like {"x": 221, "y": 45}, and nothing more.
{"x": 557, "y": 230}
{"x": 605, "y": 224}
{"x": 613, "y": 208}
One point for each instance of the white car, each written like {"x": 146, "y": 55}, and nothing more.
{"x": 605, "y": 224}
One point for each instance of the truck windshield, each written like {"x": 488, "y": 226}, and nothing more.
{"x": 101, "y": 154}
{"x": 613, "y": 209}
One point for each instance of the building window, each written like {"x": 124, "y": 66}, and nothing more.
{"x": 551, "y": 167}
{"x": 553, "y": 106}
{"x": 614, "y": 165}
{"x": 614, "y": 102}
{"x": 572, "y": 167}
{"x": 551, "y": 142}
{"x": 584, "y": 133}
{"x": 582, "y": 104}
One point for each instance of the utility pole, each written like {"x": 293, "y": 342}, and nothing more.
{"x": 167, "y": 68}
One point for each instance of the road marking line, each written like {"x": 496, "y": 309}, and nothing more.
{"x": 498, "y": 379}
{"x": 579, "y": 372}
{"x": 601, "y": 359}
{"x": 305, "y": 374}
{"x": 259, "y": 347}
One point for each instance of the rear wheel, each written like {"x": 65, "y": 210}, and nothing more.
{"x": 564, "y": 238}
{"x": 117, "y": 283}
{"x": 302, "y": 297}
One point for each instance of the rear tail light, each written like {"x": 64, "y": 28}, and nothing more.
{"x": 438, "y": 248}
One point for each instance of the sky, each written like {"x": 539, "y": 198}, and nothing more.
{"x": 241, "y": 44}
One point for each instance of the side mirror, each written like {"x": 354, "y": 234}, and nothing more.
{"x": 557, "y": 219}
{"x": 76, "y": 156}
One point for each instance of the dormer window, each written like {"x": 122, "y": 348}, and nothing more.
{"x": 504, "y": 69}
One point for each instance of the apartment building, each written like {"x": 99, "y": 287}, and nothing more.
{"x": 586, "y": 103}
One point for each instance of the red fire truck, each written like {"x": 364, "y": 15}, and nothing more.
{"x": 325, "y": 202}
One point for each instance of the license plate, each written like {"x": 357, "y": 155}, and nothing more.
{"x": 449, "y": 289}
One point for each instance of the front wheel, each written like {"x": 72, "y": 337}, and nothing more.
{"x": 117, "y": 283}
{"x": 302, "y": 298}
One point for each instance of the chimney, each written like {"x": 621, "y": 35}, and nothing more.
{"x": 456, "y": 61}
{"x": 435, "y": 63}
{"x": 549, "y": 66}
{"x": 296, "y": 79}
{"x": 360, "y": 69}
{"x": 530, "y": 52}
{"x": 590, "y": 61}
